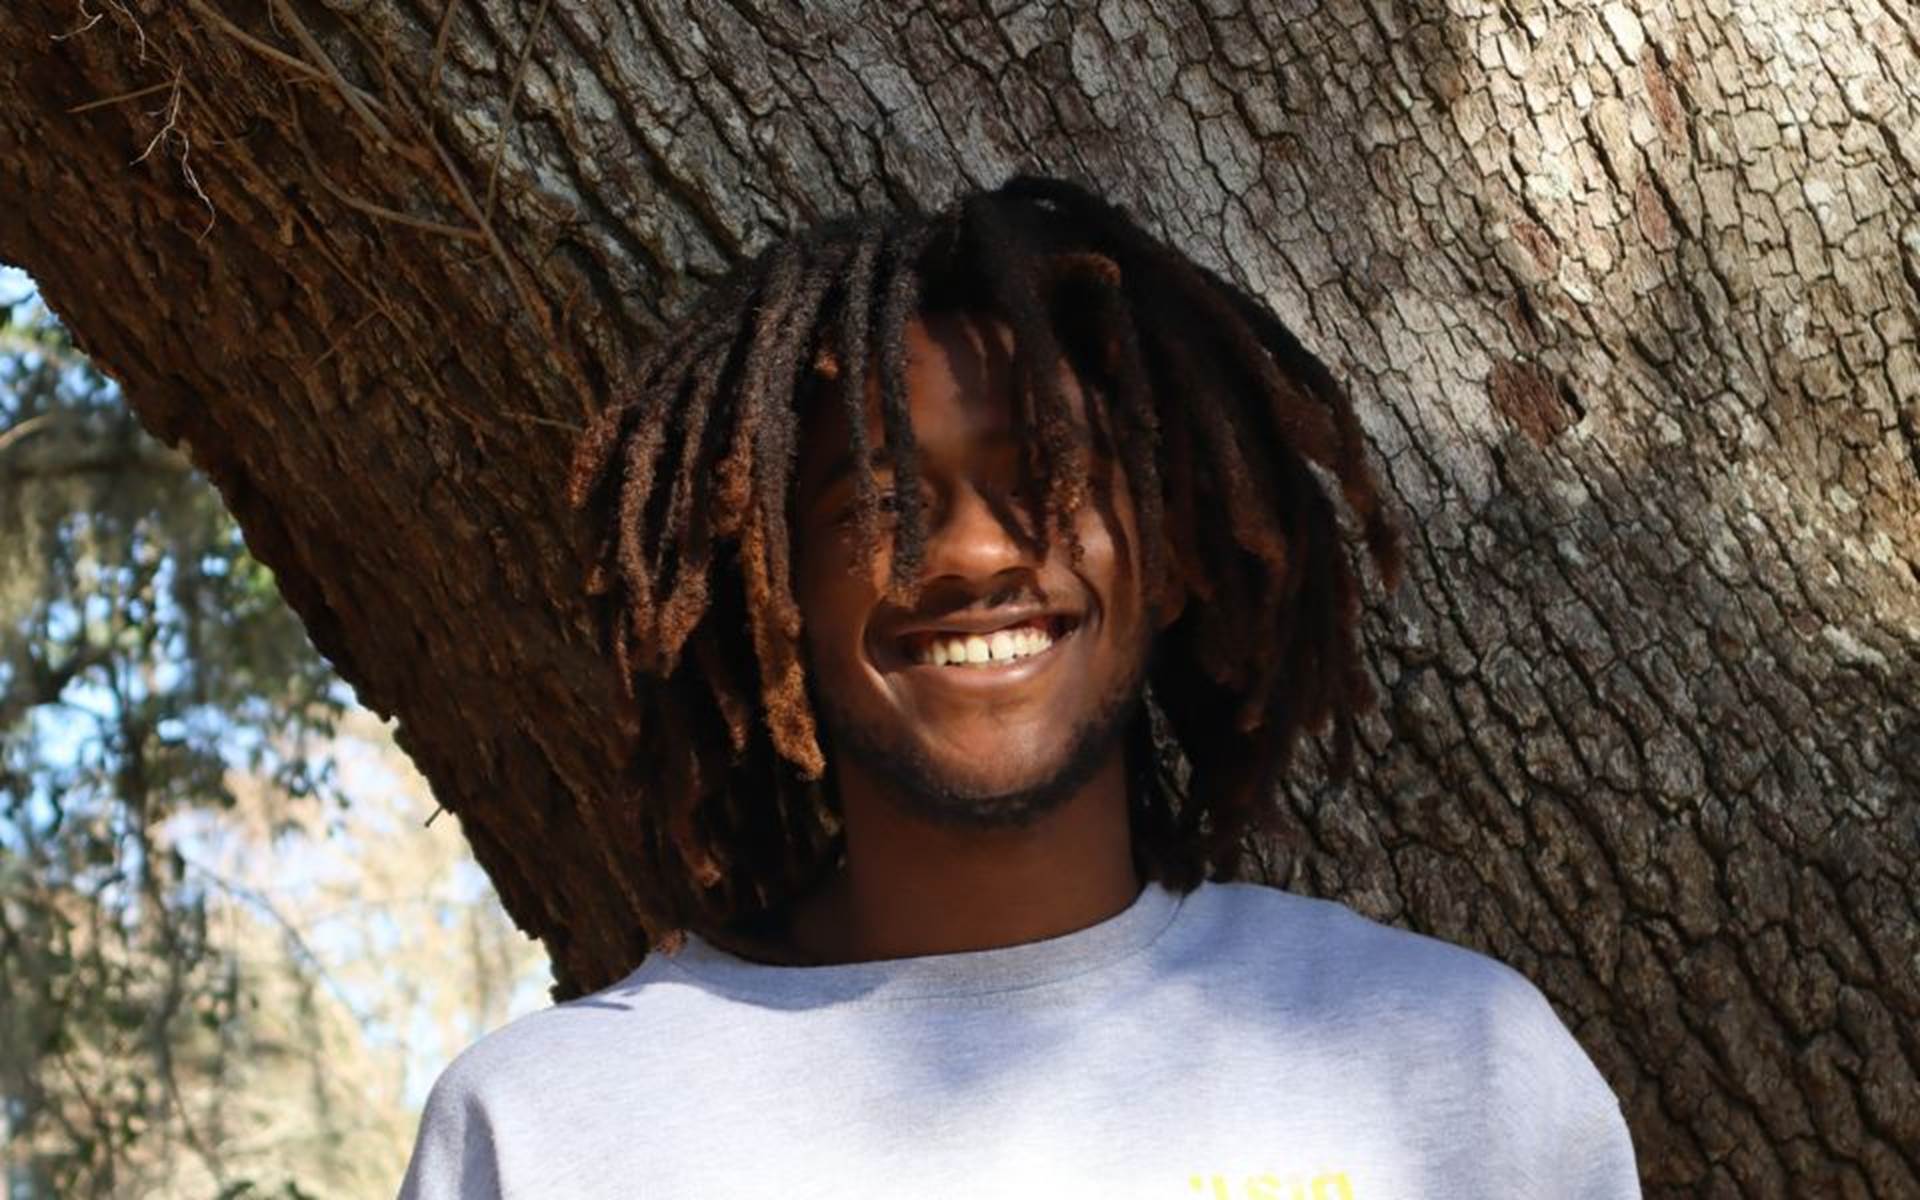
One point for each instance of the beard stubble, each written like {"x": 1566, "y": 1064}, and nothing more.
{"x": 917, "y": 785}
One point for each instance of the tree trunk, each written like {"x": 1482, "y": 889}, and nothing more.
{"x": 1628, "y": 301}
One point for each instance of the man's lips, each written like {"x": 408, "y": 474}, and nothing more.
{"x": 913, "y": 643}
{"x": 905, "y": 647}
{"x": 987, "y": 679}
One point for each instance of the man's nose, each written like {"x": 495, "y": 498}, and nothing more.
{"x": 977, "y": 533}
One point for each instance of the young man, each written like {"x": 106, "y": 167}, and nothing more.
{"x": 973, "y": 586}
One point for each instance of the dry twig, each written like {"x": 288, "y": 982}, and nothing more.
{"x": 440, "y": 45}
{"x": 170, "y": 132}
{"x": 92, "y": 20}
{"x": 360, "y": 102}
{"x": 123, "y": 97}
{"x": 360, "y": 204}
{"x": 513, "y": 95}
{"x": 264, "y": 49}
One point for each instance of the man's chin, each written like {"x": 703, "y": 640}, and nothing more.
{"x": 953, "y": 796}
{"x": 963, "y": 799}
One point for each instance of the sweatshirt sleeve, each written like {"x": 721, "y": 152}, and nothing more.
{"x": 1586, "y": 1151}
{"x": 1596, "y": 1160}
{"x": 454, "y": 1155}
{"x": 1557, "y": 1127}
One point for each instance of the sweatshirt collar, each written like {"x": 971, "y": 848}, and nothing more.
{"x": 969, "y": 973}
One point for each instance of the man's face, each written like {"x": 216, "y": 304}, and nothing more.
{"x": 969, "y": 743}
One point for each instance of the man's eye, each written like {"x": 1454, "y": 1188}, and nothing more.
{"x": 886, "y": 504}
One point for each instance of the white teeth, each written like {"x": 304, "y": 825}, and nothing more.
{"x": 1000, "y": 646}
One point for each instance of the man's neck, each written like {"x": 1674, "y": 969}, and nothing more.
{"x": 910, "y": 888}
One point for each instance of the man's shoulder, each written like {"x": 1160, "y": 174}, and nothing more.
{"x": 1445, "y": 1023}
{"x": 1324, "y": 952}
{"x": 560, "y": 1042}
{"x": 543, "y": 1078}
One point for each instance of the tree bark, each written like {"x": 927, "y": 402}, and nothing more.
{"x": 1627, "y": 297}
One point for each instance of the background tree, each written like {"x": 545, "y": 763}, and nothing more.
{"x": 1627, "y": 296}
{"x": 217, "y": 977}
{"x": 135, "y": 625}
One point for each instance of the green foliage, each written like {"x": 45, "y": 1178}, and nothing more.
{"x": 146, "y": 663}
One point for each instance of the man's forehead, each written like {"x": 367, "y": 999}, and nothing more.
{"x": 959, "y": 399}
{"x": 956, "y": 363}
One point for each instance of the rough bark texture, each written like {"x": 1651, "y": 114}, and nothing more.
{"x": 1628, "y": 299}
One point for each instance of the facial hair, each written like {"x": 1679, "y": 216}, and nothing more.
{"x": 915, "y": 783}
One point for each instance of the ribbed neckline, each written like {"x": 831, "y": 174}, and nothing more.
{"x": 971, "y": 973}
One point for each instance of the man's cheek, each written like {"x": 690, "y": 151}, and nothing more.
{"x": 1107, "y": 564}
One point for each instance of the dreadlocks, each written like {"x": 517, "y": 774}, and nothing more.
{"x": 1216, "y": 412}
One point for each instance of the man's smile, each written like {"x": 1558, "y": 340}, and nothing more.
{"x": 982, "y": 653}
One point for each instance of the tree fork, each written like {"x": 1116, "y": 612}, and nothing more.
{"x": 1626, "y": 297}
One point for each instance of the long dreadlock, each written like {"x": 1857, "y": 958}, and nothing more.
{"x": 1216, "y": 412}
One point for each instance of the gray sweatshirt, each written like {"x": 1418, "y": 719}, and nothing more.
{"x": 1237, "y": 1042}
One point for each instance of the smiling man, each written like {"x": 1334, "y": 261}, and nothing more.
{"x": 973, "y": 583}
{"x": 978, "y": 724}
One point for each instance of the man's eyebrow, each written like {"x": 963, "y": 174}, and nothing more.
{"x": 843, "y": 466}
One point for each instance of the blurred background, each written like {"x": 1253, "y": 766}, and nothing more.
{"x": 235, "y": 948}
